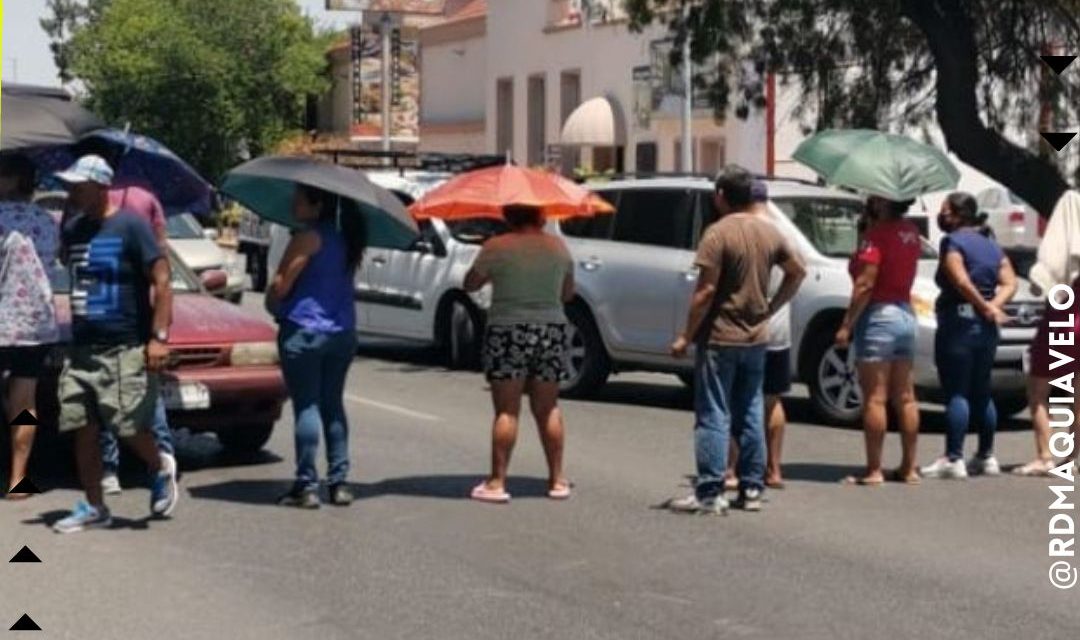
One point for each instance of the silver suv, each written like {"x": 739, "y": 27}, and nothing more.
{"x": 635, "y": 275}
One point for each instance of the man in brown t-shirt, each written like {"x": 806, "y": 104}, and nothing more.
{"x": 728, "y": 323}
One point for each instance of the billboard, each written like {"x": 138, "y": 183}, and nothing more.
{"x": 347, "y": 5}
{"x": 368, "y": 90}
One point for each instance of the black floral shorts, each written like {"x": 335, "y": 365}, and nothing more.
{"x": 533, "y": 351}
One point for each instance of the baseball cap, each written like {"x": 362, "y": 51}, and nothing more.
{"x": 89, "y": 168}
{"x": 759, "y": 191}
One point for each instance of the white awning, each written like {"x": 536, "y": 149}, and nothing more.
{"x": 596, "y": 123}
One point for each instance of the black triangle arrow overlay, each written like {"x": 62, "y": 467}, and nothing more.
{"x": 25, "y": 486}
{"x": 25, "y": 555}
{"x": 25, "y": 624}
{"x": 25, "y": 418}
{"x": 1058, "y": 140}
{"x": 1058, "y": 63}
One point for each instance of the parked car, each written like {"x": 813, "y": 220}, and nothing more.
{"x": 1014, "y": 222}
{"x": 223, "y": 375}
{"x": 625, "y": 326}
{"x": 202, "y": 254}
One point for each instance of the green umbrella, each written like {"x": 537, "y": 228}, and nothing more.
{"x": 265, "y": 185}
{"x": 877, "y": 163}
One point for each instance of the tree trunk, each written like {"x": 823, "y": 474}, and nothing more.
{"x": 951, "y": 36}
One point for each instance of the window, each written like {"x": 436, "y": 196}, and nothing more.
{"x": 537, "y": 96}
{"x": 830, "y": 224}
{"x": 504, "y": 116}
{"x": 595, "y": 227}
{"x": 645, "y": 157}
{"x": 657, "y": 217}
{"x": 475, "y": 230}
{"x": 569, "y": 99}
{"x": 183, "y": 227}
{"x": 711, "y": 156}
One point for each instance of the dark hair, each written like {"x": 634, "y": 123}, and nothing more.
{"x": 92, "y": 146}
{"x": 345, "y": 215}
{"x": 736, "y": 185}
{"x": 20, "y": 167}
{"x": 964, "y": 206}
{"x": 519, "y": 216}
{"x": 897, "y": 209}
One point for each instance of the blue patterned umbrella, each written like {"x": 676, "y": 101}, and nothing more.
{"x": 145, "y": 162}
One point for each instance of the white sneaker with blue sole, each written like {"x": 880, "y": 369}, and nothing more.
{"x": 84, "y": 517}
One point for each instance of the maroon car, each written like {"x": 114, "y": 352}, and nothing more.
{"x": 223, "y": 375}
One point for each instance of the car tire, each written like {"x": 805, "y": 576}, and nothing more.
{"x": 835, "y": 395}
{"x": 246, "y": 438}
{"x": 1009, "y": 406}
{"x": 589, "y": 362}
{"x": 462, "y": 336}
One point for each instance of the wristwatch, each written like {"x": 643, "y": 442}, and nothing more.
{"x": 161, "y": 335}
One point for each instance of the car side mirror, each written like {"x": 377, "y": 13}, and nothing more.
{"x": 214, "y": 279}
{"x": 424, "y": 246}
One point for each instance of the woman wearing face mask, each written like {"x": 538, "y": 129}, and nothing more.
{"x": 976, "y": 281}
{"x": 312, "y": 298}
{"x": 880, "y": 326}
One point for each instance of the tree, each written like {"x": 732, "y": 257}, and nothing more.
{"x": 970, "y": 65}
{"x": 212, "y": 80}
{"x": 67, "y": 17}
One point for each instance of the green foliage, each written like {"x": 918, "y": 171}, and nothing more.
{"x": 214, "y": 80}
{"x": 969, "y": 66}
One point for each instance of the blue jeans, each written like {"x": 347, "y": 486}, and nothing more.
{"x": 728, "y": 403}
{"x": 964, "y": 351}
{"x": 885, "y": 333}
{"x": 110, "y": 446}
{"x": 315, "y": 366}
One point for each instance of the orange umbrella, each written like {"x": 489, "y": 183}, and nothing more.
{"x": 483, "y": 193}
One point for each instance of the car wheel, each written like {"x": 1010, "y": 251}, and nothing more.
{"x": 463, "y": 329}
{"x": 834, "y": 383}
{"x": 245, "y": 438}
{"x": 1009, "y": 406}
{"x": 589, "y": 366}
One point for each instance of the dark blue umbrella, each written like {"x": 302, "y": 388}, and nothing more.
{"x": 141, "y": 161}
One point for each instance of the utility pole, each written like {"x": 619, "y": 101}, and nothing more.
{"x": 688, "y": 95}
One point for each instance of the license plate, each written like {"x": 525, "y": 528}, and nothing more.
{"x": 185, "y": 395}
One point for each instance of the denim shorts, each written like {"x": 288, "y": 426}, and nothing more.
{"x": 884, "y": 333}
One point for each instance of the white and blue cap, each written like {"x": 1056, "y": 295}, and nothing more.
{"x": 89, "y": 168}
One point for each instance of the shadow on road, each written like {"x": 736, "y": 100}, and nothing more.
{"x": 820, "y": 472}
{"x": 49, "y": 518}
{"x": 447, "y": 487}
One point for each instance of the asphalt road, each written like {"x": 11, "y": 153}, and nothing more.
{"x": 414, "y": 559}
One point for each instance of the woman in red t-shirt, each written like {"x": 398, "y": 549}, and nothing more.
{"x": 880, "y": 326}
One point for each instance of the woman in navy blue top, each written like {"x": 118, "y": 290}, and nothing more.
{"x": 976, "y": 281}
{"x": 312, "y": 297}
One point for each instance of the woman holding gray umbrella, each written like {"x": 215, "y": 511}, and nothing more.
{"x": 311, "y": 296}
{"x": 336, "y": 213}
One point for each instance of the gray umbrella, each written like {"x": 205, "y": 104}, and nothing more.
{"x": 265, "y": 185}
{"x": 38, "y": 119}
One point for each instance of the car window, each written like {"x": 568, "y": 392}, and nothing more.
{"x": 594, "y": 227}
{"x": 830, "y": 224}
{"x": 475, "y": 230}
{"x": 183, "y": 227}
{"x": 656, "y": 217}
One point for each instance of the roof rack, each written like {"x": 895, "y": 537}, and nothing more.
{"x": 409, "y": 160}
{"x": 639, "y": 175}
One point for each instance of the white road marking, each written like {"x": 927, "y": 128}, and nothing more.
{"x": 392, "y": 408}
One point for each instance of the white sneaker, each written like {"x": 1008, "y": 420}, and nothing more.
{"x": 690, "y": 504}
{"x": 110, "y": 484}
{"x": 988, "y": 466}
{"x": 945, "y": 470}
